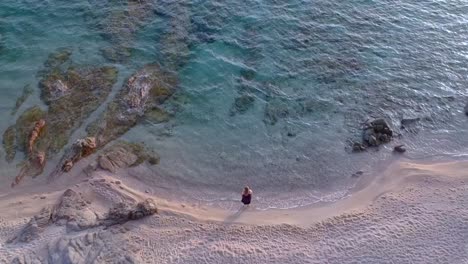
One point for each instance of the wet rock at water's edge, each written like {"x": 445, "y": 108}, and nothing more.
{"x": 375, "y": 133}
{"x": 124, "y": 154}
{"x": 399, "y": 149}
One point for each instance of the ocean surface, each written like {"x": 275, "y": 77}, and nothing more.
{"x": 271, "y": 93}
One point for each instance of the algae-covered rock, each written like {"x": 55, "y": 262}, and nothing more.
{"x": 81, "y": 148}
{"x": 72, "y": 93}
{"x": 65, "y": 93}
{"x": 33, "y": 167}
{"x": 143, "y": 91}
{"x": 120, "y": 25}
{"x": 17, "y": 136}
{"x": 27, "y": 91}
{"x": 9, "y": 143}
{"x": 124, "y": 154}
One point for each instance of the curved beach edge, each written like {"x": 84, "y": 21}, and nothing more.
{"x": 411, "y": 212}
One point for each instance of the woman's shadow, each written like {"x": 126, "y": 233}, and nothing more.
{"x": 231, "y": 218}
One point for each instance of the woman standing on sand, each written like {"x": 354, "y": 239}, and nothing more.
{"x": 246, "y": 195}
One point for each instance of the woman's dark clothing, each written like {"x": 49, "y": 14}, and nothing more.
{"x": 246, "y": 198}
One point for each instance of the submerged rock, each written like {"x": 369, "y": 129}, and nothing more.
{"x": 120, "y": 25}
{"x": 274, "y": 111}
{"x": 242, "y": 104}
{"x": 65, "y": 93}
{"x": 9, "y": 143}
{"x": 64, "y": 88}
{"x": 33, "y": 167}
{"x": 399, "y": 149}
{"x": 27, "y": 91}
{"x": 144, "y": 90}
{"x": 38, "y": 128}
{"x": 17, "y": 136}
{"x": 124, "y": 154}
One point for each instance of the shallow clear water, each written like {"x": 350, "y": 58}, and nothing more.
{"x": 316, "y": 70}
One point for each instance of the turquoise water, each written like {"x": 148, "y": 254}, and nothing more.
{"x": 316, "y": 70}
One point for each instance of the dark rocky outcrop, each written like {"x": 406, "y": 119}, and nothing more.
{"x": 399, "y": 149}
{"x": 143, "y": 91}
{"x": 122, "y": 212}
{"x": 375, "y": 133}
{"x": 64, "y": 88}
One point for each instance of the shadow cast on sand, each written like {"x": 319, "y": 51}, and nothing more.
{"x": 232, "y": 218}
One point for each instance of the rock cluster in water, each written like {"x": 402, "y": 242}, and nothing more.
{"x": 375, "y": 133}
{"x": 144, "y": 91}
{"x": 120, "y": 25}
{"x": 64, "y": 87}
{"x": 124, "y": 154}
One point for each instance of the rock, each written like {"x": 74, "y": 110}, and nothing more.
{"x": 124, "y": 154}
{"x": 373, "y": 141}
{"x": 143, "y": 91}
{"x": 34, "y": 227}
{"x": 118, "y": 182}
{"x": 90, "y": 168}
{"x": 358, "y": 147}
{"x": 242, "y": 104}
{"x": 9, "y": 143}
{"x": 376, "y": 133}
{"x": 80, "y": 149}
{"x": 409, "y": 121}
{"x": 122, "y": 212}
{"x": 27, "y": 91}
{"x": 73, "y": 211}
{"x": 64, "y": 88}
{"x": 116, "y": 158}
{"x": 399, "y": 149}
{"x": 35, "y": 133}
{"x": 274, "y": 111}
{"x": 466, "y": 109}
{"x": 17, "y": 136}
{"x": 33, "y": 167}
{"x": 28, "y": 259}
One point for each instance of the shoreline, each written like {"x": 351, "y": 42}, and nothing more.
{"x": 389, "y": 213}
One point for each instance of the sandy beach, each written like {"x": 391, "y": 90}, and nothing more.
{"x": 411, "y": 213}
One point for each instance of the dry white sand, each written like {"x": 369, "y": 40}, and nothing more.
{"x": 411, "y": 213}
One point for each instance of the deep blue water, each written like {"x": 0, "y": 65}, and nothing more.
{"x": 314, "y": 70}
